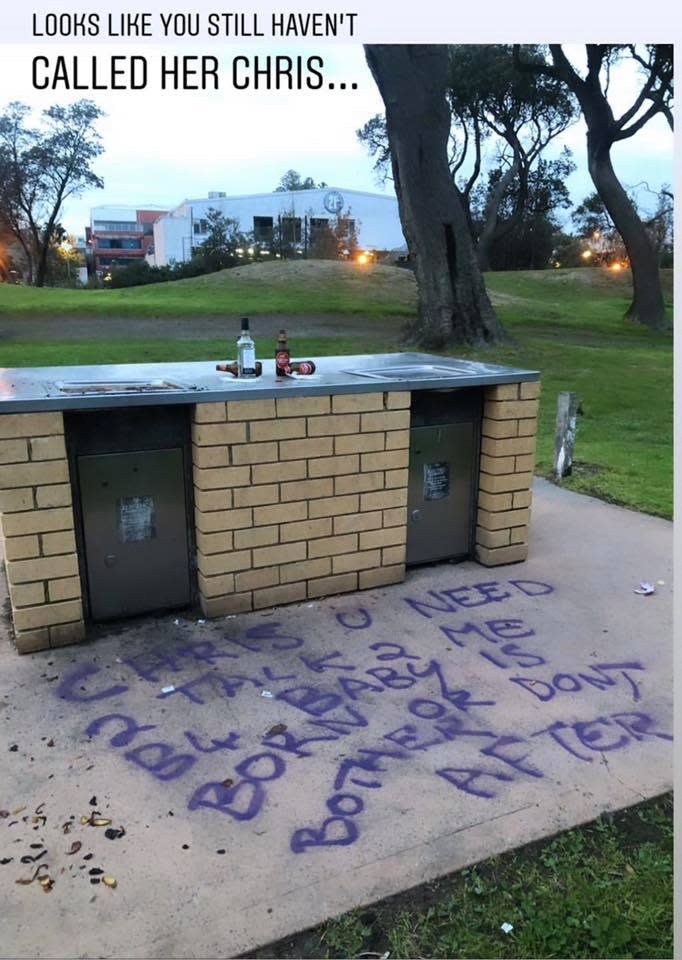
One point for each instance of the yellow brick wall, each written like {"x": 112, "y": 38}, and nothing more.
{"x": 508, "y": 436}
{"x": 36, "y": 518}
{"x": 299, "y": 497}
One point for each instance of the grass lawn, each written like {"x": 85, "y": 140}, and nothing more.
{"x": 568, "y": 324}
{"x": 602, "y": 890}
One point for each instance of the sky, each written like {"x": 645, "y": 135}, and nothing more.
{"x": 162, "y": 147}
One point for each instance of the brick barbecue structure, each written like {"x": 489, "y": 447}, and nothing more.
{"x": 295, "y": 497}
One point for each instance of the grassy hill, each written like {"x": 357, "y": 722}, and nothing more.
{"x": 568, "y": 324}
{"x": 305, "y": 286}
{"x": 323, "y": 287}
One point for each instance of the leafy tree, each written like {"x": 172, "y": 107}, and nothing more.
{"x": 604, "y": 129}
{"x": 292, "y": 180}
{"x": 336, "y": 239}
{"x": 40, "y": 168}
{"x": 223, "y": 239}
{"x": 63, "y": 260}
{"x": 520, "y": 113}
{"x": 453, "y": 304}
{"x": 494, "y": 108}
{"x": 591, "y": 218}
{"x": 528, "y": 242}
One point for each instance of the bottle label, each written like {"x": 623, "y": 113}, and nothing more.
{"x": 282, "y": 361}
{"x": 248, "y": 360}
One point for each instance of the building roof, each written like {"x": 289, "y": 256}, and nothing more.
{"x": 297, "y": 193}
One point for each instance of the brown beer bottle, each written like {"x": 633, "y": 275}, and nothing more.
{"x": 302, "y": 367}
{"x": 282, "y": 356}
{"x": 233, "y": 368}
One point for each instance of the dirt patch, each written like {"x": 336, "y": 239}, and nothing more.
{"x": 199, "y": 327}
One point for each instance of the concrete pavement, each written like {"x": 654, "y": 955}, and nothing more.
{"x": 273, "y": 769}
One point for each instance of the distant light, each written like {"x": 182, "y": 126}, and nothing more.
{"x": 596, "y": 235}
{"x": 278, "y": 255}
{"x": 557, "y": 264}
{"x": 363, "y": 259}
{"x": 265, "y": 253}
{"x": 250, "y": 251}
{"x": 616, "y": 266}
{"x": 239, "y": 250}
{"x": 586, "y": 254}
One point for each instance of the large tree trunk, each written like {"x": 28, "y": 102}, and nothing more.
{"x": 647, "y": 300}
{"x": 453, "y": 303}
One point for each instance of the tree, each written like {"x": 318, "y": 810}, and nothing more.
{"x": 41, "y": 168}
{"x": 453, "y": 305}
{"x": 523, "y": 113}
{"x": 292, "y": 180}
{"x": 493, "y": 106}
{"x": 604, "y": 129}
{"x": 334, "y": 239}
{"x": 527, "y": 240}
{"x": 222, "y": 241}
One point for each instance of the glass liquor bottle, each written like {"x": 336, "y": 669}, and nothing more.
{"x": 246, "y": 352}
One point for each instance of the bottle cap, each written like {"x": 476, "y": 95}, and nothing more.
{"x": 245, "y": 323}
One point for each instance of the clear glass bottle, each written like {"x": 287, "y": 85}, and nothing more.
{"x": 246, "y": 352}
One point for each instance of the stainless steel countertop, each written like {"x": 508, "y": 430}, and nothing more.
{"x": 32, "y": 389}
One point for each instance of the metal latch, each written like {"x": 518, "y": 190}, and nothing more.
{"x": 415, "y": 515}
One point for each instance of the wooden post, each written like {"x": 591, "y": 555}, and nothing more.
{"x": 564, "y": 438}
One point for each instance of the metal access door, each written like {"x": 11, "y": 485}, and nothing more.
{"x": 440, "y": 491}
{"x": 133, "y": 508}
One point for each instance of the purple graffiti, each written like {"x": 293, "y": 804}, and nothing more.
{"x": 270, "y": 631}
{"x": 334, "y": 832}
{"x": 459, "y": 698}
{"x": 242, "y": 801}
{"x": 272, "y": 677}
{"x": 230, "y": 743}
{"x": 261, "y": 767}
{"x": 449, "y": 601}
{"x": 391, "y": 678}
{"x": 492, "y": 750}
{"x": 591, "y": 736}
{"x": 339, "y": 724}
{"x": 464, "y": 779}
{"x": 123, "y": 737}
{"x": 545, "y": 588}
{"x": 310, "y": 700}
{"x": 67, "y": 688}
{"x": 369, "y": 761}
{"x": 365, "y": 619}
{"x": 398, "y": 652}
{"x": 546, "y": 690}
{"x": 289, "y": 742}
{"x": 161, "y": 760}
{"x": 320, "y": 664}
{"x": 522, "y": 658}
{"x": 638, "y": 725}
{"x": 226, "y": 684}
{"x": 339, "y": 804}
{"x": 352, "y": 686}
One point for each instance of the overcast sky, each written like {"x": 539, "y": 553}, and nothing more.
{"x": 161, "y": 147}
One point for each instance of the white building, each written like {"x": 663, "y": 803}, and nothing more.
{"x": 298, "y": 212}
